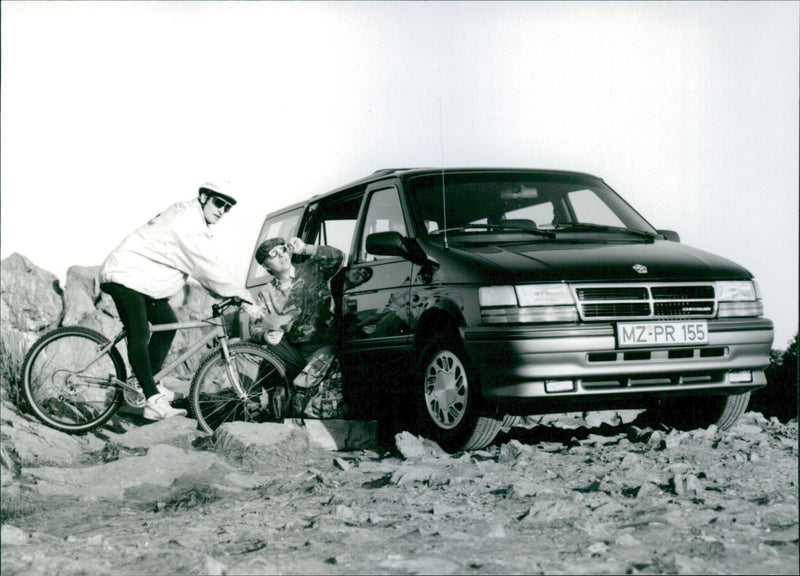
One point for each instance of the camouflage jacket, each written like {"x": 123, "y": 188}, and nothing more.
{"x": 307, "y": 299}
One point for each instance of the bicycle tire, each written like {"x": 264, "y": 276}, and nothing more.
{"x": 213, "y": 400}
{"x": 86, "y": 402}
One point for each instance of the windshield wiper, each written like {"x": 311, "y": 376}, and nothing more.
{"x": 466, "y": 228}
{"x": 603, "y": 228}
{"x": 496, "y": 228}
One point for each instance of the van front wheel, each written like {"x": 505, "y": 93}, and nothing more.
{"x": 448, "y": 400}
{"x": 701, "y": 412}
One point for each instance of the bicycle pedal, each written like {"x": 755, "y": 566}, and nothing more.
{"x": 133, "y": 398}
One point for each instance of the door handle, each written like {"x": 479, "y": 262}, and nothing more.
{"x": 350, "y": 305}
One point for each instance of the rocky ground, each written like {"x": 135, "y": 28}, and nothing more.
{"x": 599, "y": 493}
{"x": 588, "y": 493}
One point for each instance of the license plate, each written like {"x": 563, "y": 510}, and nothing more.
{"x": 662, "y": 333}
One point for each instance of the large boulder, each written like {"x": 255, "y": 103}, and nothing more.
{"x": 159, "y": 467}
{"x": 81, "y": 292}
{"x": 192, "y": 303}
{"x": 258, "y": 446}
{"x": 30, "y": 443}
{"x": 31, "y": 296}
{"x": 30, "y": 303}
{"x": 14, "y": 343}
{"x": 85, "y": 305}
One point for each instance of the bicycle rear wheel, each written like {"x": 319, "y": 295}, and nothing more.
{"x": 68, "y": 381}
{"x": 214, "y": 401}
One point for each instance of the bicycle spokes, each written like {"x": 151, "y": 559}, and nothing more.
{"x": 69, "y": 379}
{"x": 69, "y": 383}
{"x": 220, "y": 402}
{"x": 236, "y": 391}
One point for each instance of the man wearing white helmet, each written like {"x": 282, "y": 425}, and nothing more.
{"x": 152, "y": 264}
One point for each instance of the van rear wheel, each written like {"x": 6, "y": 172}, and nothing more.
{"x": 448, "y": 399}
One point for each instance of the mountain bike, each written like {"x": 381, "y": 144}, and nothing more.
{"x": 74, "y": 378}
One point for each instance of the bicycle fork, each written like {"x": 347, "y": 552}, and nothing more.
{"x": 233, "y": 375}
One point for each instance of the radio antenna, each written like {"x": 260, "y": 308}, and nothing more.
{"x": 444, "y": 195}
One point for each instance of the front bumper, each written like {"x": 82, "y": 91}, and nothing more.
{"x": 537, "y": 362}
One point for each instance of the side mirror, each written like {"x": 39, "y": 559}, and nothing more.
{"x": 670, "y": 235}
{"x": 394, "y": 244}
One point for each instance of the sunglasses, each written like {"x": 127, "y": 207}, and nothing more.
{"x": 278, "y": 251}
{"x": 220, "y": 203}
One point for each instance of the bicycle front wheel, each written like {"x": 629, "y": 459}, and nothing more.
{"x": 68, "y": 379}
{"x": 262, "y": 375}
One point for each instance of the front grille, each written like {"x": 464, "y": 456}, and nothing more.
{"x": 633, "y": 380}
{"x": 656, "y": 355}
{"x": 616, "y": 309}
{"x": 593, "y": 294}
{"x": 645, "y": 301}
{"x": 690, "y": 292}
{"x": 683, "y": 308}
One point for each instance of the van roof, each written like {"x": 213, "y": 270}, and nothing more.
{"x": 407, "y": 172}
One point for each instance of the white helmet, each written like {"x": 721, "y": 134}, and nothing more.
{"x": 219, "y": 188}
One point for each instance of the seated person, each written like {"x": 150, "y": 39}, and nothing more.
{"x": 293, "y": 314}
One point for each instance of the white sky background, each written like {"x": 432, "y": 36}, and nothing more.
{"x": 111, "y": 111}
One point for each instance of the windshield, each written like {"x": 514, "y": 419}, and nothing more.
{"x": 491, "y": 203}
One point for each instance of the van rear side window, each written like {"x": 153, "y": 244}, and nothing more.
{"x": 334, "y": 222}
{"x": 283, "y": 226}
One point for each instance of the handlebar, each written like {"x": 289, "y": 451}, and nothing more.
{"x": 219, "y": 307}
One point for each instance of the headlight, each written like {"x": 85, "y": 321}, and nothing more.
{"x": 738, "y": 299}
{"x": 736, "y": 291}
{"x": 544, "y": 295}
{"x": 527, "y": 304}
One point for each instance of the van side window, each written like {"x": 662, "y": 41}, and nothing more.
{"x": 334, "y": 223}
{"x": 284, "y": 226}
{"x": 384, "y": 214}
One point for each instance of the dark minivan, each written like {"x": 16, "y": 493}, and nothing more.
{"x": 471, "y": 296}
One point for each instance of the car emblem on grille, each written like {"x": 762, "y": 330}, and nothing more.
{"x": 640, "y": 269}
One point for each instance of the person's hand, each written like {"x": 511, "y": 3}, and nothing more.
{"x": 274, "y": 337}
{"x": 255, "y": 311}
{"x": 297, "y": 245}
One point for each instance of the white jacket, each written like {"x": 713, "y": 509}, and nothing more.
{"x": 158, "y": 257}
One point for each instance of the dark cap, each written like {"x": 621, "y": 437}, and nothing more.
{"x": 265, "y": 247}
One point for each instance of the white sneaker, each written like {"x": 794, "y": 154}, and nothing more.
{"x": 158, "y": 408}
{"x": 168, "y": 394}
{"x": 136, "y": 399}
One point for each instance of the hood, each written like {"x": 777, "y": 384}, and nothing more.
{"x": 596, "y": 262}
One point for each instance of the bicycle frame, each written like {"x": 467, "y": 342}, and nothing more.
{"x": 218, "y": 333}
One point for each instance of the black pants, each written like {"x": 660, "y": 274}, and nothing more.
{"x": 146, "y": 353}
{"x": 294, "y": 356}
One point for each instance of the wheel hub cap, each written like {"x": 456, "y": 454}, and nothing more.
{"x": 446, "y": 389}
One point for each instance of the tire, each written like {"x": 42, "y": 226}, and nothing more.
{"x": 61, "y": 390}
{"x": 213, "y": 400}
{"x": 486, "y": 430}
{"x": 447, "y": 399}
{"x": 702, "y": 411}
